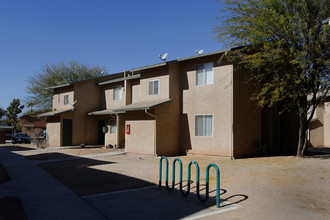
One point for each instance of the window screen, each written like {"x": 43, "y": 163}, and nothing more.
{"x": 117, "y": 93}
{"x": 153, "y": 87}
{"x": 204, "y": 74}
{"x": 204, "y": 125}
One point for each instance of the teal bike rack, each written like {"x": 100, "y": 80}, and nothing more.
{"x": 189, "y": 178}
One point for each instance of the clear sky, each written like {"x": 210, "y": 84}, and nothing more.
{"x": 113, "y": 34}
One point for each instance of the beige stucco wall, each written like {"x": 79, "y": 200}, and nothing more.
{"x": 85, "y": 127}
{"x": 110, "y": 138}
{"x": 168, "y": 117}
{"x": 317, "y": 127}
{"x": 140, "y": 90}
{"x": 108, "y": 90}
{"x": 58, "y": 97}
{"x": 327, "y": 124}
{"x": 53, "y": 128}
{"x": 246, "y": 116}
{"x": 214, "y": 99}
{"x": 141, "y": 140}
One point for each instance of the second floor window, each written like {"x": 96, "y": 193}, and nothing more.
{"x": 154, "y": 87}
{"x": 204, "y": 74}
{"x": 66, "y": 99}
{"x": 117, "y": 93}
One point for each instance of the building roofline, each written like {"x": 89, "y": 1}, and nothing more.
{"x": 117, "y": 76}
{"x": 204, "y": 55}
{"x": 96, "y": 78}
{"x": 134, "y": 76}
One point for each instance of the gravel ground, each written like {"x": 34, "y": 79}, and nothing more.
{"x": 264, "y": 188}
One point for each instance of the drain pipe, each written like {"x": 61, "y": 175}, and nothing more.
{"x": 153, "y": 116}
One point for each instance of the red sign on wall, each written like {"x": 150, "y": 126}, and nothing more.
{"x": 128, "y": 129}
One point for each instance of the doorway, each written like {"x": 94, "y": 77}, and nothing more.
{"x": 67, "y": 132}
{"x": 101, "y": 132}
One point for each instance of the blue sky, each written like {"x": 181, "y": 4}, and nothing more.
{"x": 114, "y": 34}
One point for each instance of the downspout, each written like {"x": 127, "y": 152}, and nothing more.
{"x": 117, "y": 124}
{"x": 153, "y": 116}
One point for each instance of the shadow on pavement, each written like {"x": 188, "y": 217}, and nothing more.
{"x": 79, "y": 176}
{"x": 318, "y": 152}
{"x": 48, "y": 156}
{"x": 16, "y": 148}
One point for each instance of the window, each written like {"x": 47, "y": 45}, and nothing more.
{"x": 117, "y": 93}
{"x": 204, "y": 74}
{"x": 204, "y": 125}
{"x": 113, "y": 127}
{"x": 153, "y": 87}
{"x": 66, "y": 99}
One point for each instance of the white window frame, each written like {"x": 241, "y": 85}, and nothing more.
{"x": 206, "y": 77}
{"x": 204, "y": 134}
{"x": 66, "y": 99}
{"x": 113, "y": 126}
{"x": 153, "y": 87}
{"x": 120, "y": 93}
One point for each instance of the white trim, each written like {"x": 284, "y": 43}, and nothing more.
{"x": 212, "y": 125}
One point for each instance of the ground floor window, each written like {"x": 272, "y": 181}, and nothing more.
{"x": 113, "y": 127}
{"x": 203, "y": 125}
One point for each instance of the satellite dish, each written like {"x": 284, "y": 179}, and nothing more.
{"x": 163, "y": 58}
{"x": 199, "y": 52}
{"x": 74, "y": 103}
{"x": 102, "y": 73}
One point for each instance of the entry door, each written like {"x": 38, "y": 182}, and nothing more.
{"x": 101, "y": 132}
{"x": 67, "y": 132}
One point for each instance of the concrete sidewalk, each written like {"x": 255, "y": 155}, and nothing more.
{"x": 43, "y": 197}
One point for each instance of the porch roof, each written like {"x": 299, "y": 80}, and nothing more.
{"x": 5, "y": 127}
{"x": 105, "y": 112}
{"x": 143, "y": 105}
{"x": 55, "y": 112}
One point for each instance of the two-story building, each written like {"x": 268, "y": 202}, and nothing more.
{"x": 194, "y": 105}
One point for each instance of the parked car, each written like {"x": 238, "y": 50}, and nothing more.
{"x": 21, "y": 138}
{"x": 9, "y": 136}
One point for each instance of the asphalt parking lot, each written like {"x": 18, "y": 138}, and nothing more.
{"x": 254, "y": 188}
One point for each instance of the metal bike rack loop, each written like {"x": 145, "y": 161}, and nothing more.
{"x": 189, "y": 178}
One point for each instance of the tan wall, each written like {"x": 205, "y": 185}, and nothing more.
{"x": 60, "y": 93}
{"x": 142, "y": 137}
{"x": 327, "y": 124}
{"x": 317, "y": 127}
{"x": 214, "y": 99}
{"x": 110, "y": 103}
{"x": 54, "y": 132}
{"x": 246, "y": 117}
{"x": 110, "y": 138}
{"x": 141, "y": 91}
{"x": 168, "y": 117}
{"x": 85, "y": 127}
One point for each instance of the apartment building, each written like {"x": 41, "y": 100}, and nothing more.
{"x": 194, "y": 105}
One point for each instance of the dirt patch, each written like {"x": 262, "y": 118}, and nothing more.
{"x": 11, "y": 208}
